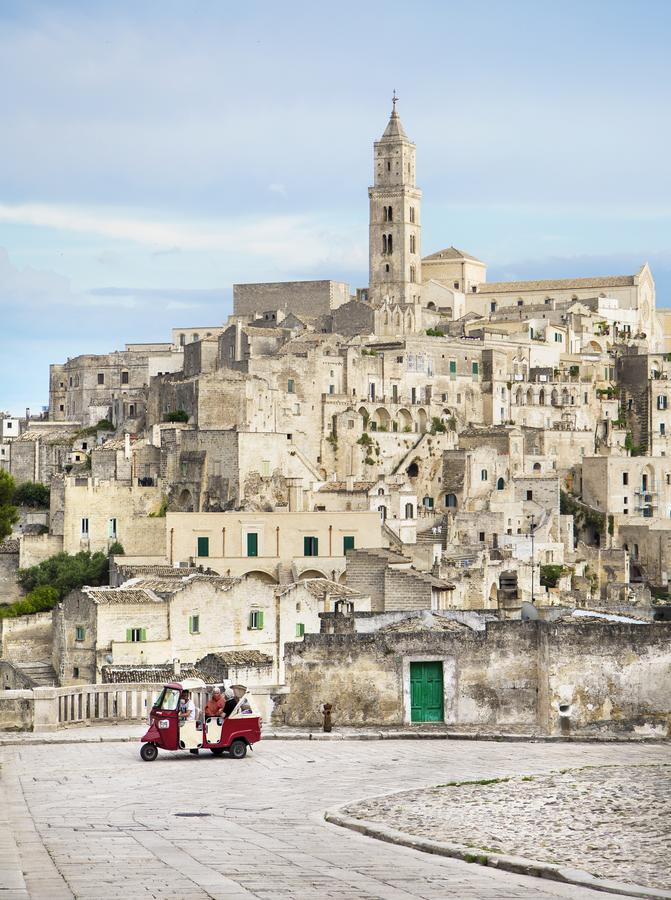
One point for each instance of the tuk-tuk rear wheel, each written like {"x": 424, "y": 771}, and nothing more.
{"x": 149, "y": 752}
{"x": 217, "y": 750}
{"x": 238, "y": 749}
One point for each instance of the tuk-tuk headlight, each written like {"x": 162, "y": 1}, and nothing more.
{"x": 164, "y": 723}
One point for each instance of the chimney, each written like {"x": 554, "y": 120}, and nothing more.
{"x": 126, "y": 445}
{"x": 176, "y": 667}
{"x": 295, "y": 494}
{"x": 238, "y": 341}
{"x": 27, "y": 414}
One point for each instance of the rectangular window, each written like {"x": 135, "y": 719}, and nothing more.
{"x": 332, "y": 389}
{"x": 101, "y": 378}
{"x": 492, "y": 306}
{"x": 412, "y": 215}
{"x": 394, "y": 393}
{"x": 136, "y": 635}
{"x": 124, "y": 378}
{"x": 194, "y": 624}
{"x": 203, "y": 546}
{"x": 80, "y": 633}
{"x": 371, "y": 391}
{"x": 475, "y": 369}
{"x": 625, "y": 478}
{"x": 111, "y": 528}
{"x": 265, "y": 467}
{"x": 482, "y": 537}
{"x": 626, "y": 501}
{"x": 413, "y": 395}
{"x": 255, "y": 620}
{"x": 85, "y": 527}
{"x": 75, "y": 672}
{"x": 453, "y": 367}
{"x": 310, "y": 546}
{"x": 662, "y": 428}
{"x": 290, "y": 386}
{"x": 530, "y": 495}
{"x": 252, "y": 544}
{"x": 347, "y": 543}
{"x": 558, "y": 337}
{"x": 300, "y": 629}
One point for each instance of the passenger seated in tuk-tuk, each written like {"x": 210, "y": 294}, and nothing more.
{"x": 187, "y": 708}
{"x": 215, "y": 705}
{"x": 231, "y": 701}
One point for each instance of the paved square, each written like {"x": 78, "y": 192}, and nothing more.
{"x": 94, "y": 821}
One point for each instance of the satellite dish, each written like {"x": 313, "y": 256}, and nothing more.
{"x": 529, "y": 613}
{"x": 109, "y": 659}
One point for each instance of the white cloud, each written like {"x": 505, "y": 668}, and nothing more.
{"x": 278, "y": 189}
{"x": 285, "y": 241}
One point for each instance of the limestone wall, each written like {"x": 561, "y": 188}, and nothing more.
{"x": 26, "y": 638}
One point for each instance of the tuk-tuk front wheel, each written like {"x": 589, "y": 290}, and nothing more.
{"x": 149, "y": 752}
{"x": 238, "y": 749}
{"x": 217, "y": 750}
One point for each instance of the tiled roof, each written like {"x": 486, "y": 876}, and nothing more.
{"x": 119, "y": 443}
{"x": 9, "y": 545}
{"x": 148, "y": 674}
{"x": 172, "y": 585}
{"x": 360, "y": 487}
{"x": 121, "y": 595}
{"x": 556, "y": 284}
{"x": 252, "y": 658}
{"x": 322, "y": 588}
{"x": 424, "y": 623}
{"x": 451, "y": 253}
{"x": 134, "y": 571}
{"x": 57, "y": 436}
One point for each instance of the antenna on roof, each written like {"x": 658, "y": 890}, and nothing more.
{"x": 394, "y": 101}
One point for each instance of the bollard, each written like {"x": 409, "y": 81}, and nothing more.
{"x": 326, "y": 710}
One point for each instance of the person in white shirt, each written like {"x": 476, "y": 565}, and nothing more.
{"x": 187, "y": 708}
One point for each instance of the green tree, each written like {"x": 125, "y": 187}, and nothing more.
{"x": 178, "y": 416}
{"x": 8, "y": 512}
{"x": 32, "y": 493}
{"x": 41, "y": 599}
{"x": 67, "y": 573}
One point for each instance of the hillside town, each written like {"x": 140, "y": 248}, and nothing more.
{"x": 447, "y": 498}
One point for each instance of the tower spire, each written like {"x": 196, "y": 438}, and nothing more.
{"x": 394, "y": 101}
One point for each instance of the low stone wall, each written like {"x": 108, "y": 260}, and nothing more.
{"x": 563, "y": 679}
{"x": 16, "y": 711}
{"x": 26, "y": 638}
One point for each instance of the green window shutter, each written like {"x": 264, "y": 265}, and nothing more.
{"x": 203, "y": 546}
{"x": 259, "y": 619}
{"x": 190, "y": 624}
{"x": 129, "y": 634}
{"x": 307, "y": 543}
{"x": 143, "y": 634}
{"x": 453, "y": 367}
{"x": 252, "y": 544}
{"x": 347, "y": 543}
{"x": 474, "y": 368}
{"x": 300, "y": 629}
{"x": 250, "y": 622}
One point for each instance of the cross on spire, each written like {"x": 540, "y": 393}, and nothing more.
{"x": 394, "y": 101}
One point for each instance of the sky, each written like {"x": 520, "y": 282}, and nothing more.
{"x": 155, "y": 153}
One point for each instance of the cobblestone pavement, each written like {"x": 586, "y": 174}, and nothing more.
{"x": 612, "y": 821}
{"x": 94, "y": 821}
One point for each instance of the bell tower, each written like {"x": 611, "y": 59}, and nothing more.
{"x": 394, "y": 251}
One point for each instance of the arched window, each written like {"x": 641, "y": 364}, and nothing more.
{"x": 380, "y": 492}
{"x": 412, "y": 243}
{"x": 451, "y": 501}
{"x": 390, "y": 213}
{"x": 389, "y": 244}
{"x": 383, "y": 512}
{"x": 409, "y": 511}
{"x": 500, "y": 484}
{"x": 483, "y": 475}
{"x": 537, "y": 467}
{"x": 541, "y": 398}
{"x": 384, "y": 243}
{"x": 384, "y": 213}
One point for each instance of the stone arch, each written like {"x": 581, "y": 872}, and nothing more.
{"x": 422, "y": 420}
{"x": 530, "y": 397}
{"x": 519, "y": 397}
{"x": 451, "y": 501}
{"x": 500, "y": 484}
{"x": 564, "y": 397}
{"x": 311, "y": 573}
{"x": 541, "y": 397}
{"x": 431, "y": 305}
{"x": 382, "y": 418}
{"x": 404, "y": 419}
{"x": 409, "y": 511}
{"x": 554, "y": 397}
{"x": 260, "y": 575}
{"x": 493, "y": 592}
{"x": 185, "y": 501}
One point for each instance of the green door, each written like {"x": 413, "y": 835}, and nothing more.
{"x": 203, "y": 546}
{"x": 426, "y": 691}
{"x": 252, "y": 544}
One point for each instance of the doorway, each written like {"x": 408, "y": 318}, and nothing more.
{"x": 426, "y": 692}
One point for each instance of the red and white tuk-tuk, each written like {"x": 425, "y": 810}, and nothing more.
{"x": 233, "y": 733}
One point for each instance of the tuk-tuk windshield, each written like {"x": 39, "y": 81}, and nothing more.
{"x": 168, "y": 699}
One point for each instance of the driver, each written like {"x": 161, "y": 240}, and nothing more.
{"x": 187, "y": 708}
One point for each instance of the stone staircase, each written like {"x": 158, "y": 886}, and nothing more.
{"x": 41, "y": 674}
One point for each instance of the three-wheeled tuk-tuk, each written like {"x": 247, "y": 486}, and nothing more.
{"x": 233, "y": 733}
